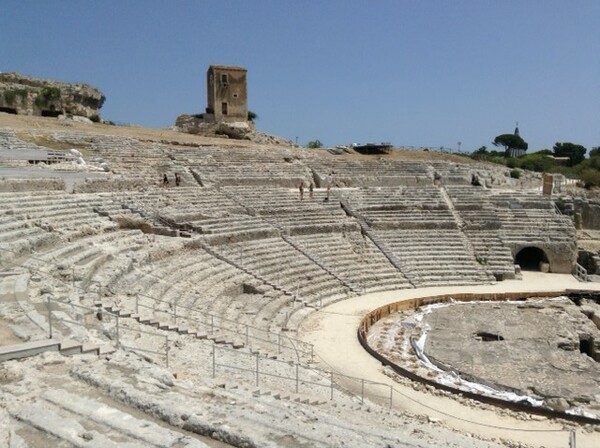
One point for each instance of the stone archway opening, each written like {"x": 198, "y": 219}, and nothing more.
{"x": 531, "y": 259}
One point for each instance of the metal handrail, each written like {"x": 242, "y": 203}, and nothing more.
{"x": 295, "y": 342}
{"x": 581, "y": 273}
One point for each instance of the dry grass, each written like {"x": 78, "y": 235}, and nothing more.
{"x": 22, "y": 124}
{"x": 412, "y": 154}
{"x": 48, "y": 142}
{"x": 131, "y": 222}
{"x": 167, "y": 136}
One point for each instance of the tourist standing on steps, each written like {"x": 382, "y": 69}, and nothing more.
{"x": 328, "y": 184}
{"x": 165, "y": 180}
{"x": 177, "y": 179}
{"x": 301, "y": 188}
{"x": 311, "y": 189}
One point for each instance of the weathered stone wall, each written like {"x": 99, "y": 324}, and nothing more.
{"x": 561, "y": 256}
{"x": 24, "y": 95}
{"x": 227, "y": 93}
{"x": 44, "y": 184}
{"x": 590, "y": 213}
{"x": 199, "y": 124}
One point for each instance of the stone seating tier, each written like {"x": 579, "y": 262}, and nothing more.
{"x": 58, "y": 215}
{"x": 244, "y": 167}
{"x": 230, "y": 224}
{"x": 356, "y": 260}
{"x": 395, "y": 197}
{"x": 10, "y": 141}
{"x": 94, "y": 258}
{"x": 414, "y": 219}
{"x": 535, "y": 221}
{"x": 492, "y": 253}
{"x": 450, "y": 259}
{"x": 205, "y": 285}
{"x": 283, "y": 265}
{"x": 351, "y": 168}
{"x": 194, "y": 282}
{"x": 469, "y": 197}
{"x": 272, "y": 199}
{"x": 183, "y": 204}
{"x": 521, "y": 200}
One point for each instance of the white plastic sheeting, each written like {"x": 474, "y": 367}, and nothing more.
{"x": 453, "y": 379}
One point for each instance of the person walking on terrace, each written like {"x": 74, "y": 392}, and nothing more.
{"x": 328, "y": 184}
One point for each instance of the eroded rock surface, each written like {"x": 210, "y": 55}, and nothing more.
{"x": 24, "y": 95}
{"x": 546, "y": 349}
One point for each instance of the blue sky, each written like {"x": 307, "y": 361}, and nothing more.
{"x": 415, "y": 73}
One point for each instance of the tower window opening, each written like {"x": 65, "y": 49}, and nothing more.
{"x": 488, "y": 337}
{"x": 586, "y": 347}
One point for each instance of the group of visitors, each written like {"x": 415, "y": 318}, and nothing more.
{"x": 165, "y": 182}
{"x": 311, "y": 186}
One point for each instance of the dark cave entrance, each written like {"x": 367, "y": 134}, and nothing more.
{"x": 51, "y": 113}
{"x": 9, "y": 110}
{"x": 529, "y": 258}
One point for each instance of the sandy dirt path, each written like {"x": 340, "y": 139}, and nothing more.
{"x": 332, "y": 330}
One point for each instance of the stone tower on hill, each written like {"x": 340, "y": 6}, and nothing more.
{"x": 227, "y": 94}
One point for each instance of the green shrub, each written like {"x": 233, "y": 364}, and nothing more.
{"x": 314, "y": 144}
{"x": 515, "y": 174}
{"x": 95, "y": 118}
{"x": 10, "y": 96}
{"x": 47, "y": 95}
{"x": 536, "y": 162}
{"x": 51, "y": 93}
{"x": 590, "y": 178}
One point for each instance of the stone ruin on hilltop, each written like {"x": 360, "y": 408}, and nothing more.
{"x": 24, "y": 95}
{"x": 226, "y": 114}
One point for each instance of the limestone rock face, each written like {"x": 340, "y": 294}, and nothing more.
{"x": 192, "y": 124}
{"x": 24, "y": 95}
{"x": 242, "y": 130}
{"x": 558, "y": 404}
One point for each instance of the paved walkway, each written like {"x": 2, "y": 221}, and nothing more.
{"x": 333, "y": 329}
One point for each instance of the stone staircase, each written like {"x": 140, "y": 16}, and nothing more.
{"x": 151, "y": 321}
{"x": 355, "y": 289}
{"x": 366, "y": 230}
{"x": 64, "y": 347}
{"x": 63, "y": 417}
{"x": 214, "y": 335}
{"x": 461, "y": 225}
{"x": 215, "y": 253}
